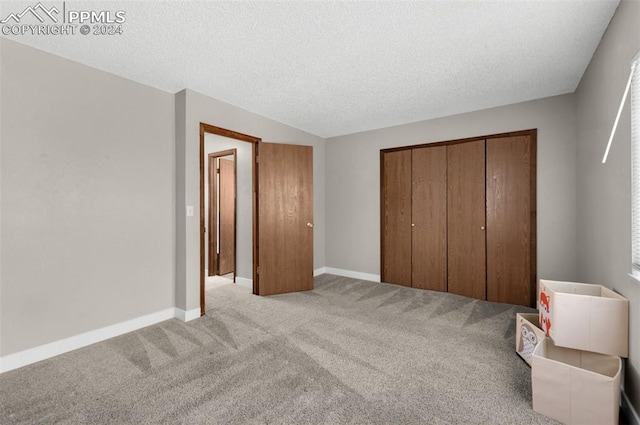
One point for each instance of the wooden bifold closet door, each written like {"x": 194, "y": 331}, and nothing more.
{"x": 466, "y": 219}
{"x": 511, "y": 218}
{"x": 460, "y": 217}
{"x": 396, "y": 217}
{"x": 429, "y": 218}
{"x": 414, "y": 212}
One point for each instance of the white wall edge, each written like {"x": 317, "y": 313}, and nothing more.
{"x": 244, "y": 282}
{"x": 355, "y": 275}
{"x": 319, "y": 271}
{"x": 187, "y": 316}
{"x": 52, "y": 349}
{"x": 629, "y": 411}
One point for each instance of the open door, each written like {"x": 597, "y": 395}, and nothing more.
{"x": 227, "y": 217}
{"x": 221, "y": 211}
{"x": 285, "y": 218}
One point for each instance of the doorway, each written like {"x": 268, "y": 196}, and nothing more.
{"x": 281, "y": 215}
{"x": 220, "y": 210}
{"x": 232, "y": 246}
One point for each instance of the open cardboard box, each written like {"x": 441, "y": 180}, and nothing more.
{"x": 584, "y": 317}
{"x": 528, "y": 335}
{"x": 574, "y": 386}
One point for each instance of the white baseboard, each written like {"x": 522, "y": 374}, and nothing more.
{"x": 318, "y": 272}
{"x": 52, "y": 349}
{"x": 187, "y": 316}
{"x": 355, "y": 275}
{"x": 629, "y": 411}
{"x": 244, "y": 282}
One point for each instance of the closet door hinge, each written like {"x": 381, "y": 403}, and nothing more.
{"x": 258, "y": 270}
{"x": 258, "y": 159}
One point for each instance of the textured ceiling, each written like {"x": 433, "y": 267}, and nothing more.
{"x": 334, "y": 68}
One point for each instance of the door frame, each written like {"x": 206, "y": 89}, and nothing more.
{"x": 212, "y": 261}
{"x": 255, "y": 142}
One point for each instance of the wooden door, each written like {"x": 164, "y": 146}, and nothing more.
{"x": 429, "y": 216}
{"x": 511, "y": 220}
{"x": 396, "y": 216}
{"x": 466, "y": 219}
{"x": 227, "y": 216}
{"x": 285, "y": 219}
{"x": 212, "y": 220}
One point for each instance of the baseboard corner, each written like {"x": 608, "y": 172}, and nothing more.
{"x": 319, "y": 271}
{"x": 188, "y": 315}
{"x": 244, "y": 282}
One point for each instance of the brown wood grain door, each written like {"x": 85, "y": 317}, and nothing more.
{"x": 227, "y": 217}
{"x": 396, "y": 211}
{"x": 212, "y": 220}
{"x": 510, "y": 220}
{"x": 285, "y": 219}
{"x": 466, "y": 219}
{"x": 429, "y": 216}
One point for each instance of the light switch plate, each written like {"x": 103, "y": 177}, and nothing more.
{"x": 189, "y": 210}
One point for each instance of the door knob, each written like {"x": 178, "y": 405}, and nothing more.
{"x": 309, "y": 224}
{"x": 413, "y": 225}
{"x": 481, "y": 227}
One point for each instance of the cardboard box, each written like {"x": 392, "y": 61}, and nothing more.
{"x": 584, "y": 317}
{"x": 528, "y": 335}
{"x": 574, "y": 386}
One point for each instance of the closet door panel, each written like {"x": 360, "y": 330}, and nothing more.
{"x": 510, "y": 220}
{"x": 466, "y": 219}
{"x": 396, "y": 210}
{"x": 429, "y": 215}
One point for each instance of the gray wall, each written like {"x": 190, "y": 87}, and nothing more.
{"x": 92, "y": 234}
{"x": 244, "y": 200}
{"x": 87, "y": 183}
{"x": 353, "y": 176}
{"x": 604, "y": 205}
{"x": 191, "y": 109}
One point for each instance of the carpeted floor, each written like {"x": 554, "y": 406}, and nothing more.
{"x": 349, "y": 351}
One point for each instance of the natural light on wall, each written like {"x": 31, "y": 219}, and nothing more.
{"x": 624, "y": 98}
{"x": 635, "y": 163}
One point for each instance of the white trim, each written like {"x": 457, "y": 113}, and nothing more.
{"x": 629, "y": 412}
{"x": 244, "y": 282}
{"x": 52, "y": 349}
{"x": 355, "y": 275}
{"x": 187, "y": 316}
{"x": 319, "y": 271}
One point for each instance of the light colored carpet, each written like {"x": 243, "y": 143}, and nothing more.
{"x": 349, "y": 351}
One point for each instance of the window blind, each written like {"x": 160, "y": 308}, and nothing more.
{"x": 635, "y": 165}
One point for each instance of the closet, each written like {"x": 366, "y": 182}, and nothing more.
{"x": 460, "y": 217}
